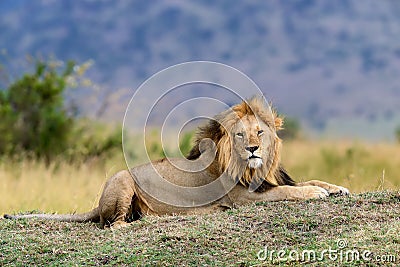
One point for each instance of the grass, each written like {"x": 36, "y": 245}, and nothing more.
{"x": 364, "y": 222}
{"x": 60, "y": 187}
{"x": 358, "y": 166}
{"x": 31, "y": 185}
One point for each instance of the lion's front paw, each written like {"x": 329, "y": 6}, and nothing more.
{"x": 338, "y": 190}
{"x": 331, "y": 188}
{"x": 310, "y": 192}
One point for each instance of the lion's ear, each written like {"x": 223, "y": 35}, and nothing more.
{"x": 278, "y": 123}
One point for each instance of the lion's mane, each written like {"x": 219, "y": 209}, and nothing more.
{"x": 219, "y": 129}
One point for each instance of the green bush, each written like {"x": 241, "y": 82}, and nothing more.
{"x": 185, "y": 144}
{"x": 397, "y": 134}
{"x": 91, "y": 139}
{"x": 291, "y": 129}
{"x": 34, "y": 119}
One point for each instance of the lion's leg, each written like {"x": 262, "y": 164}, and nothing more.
{"x": 116, "y": 212}
{"x": 241, "y": 195}
{"x": 123, "y": 209}
{"x": 116, "y": 200}
{"x": 102, "y": 222}
{"x": 293, "y": 193}
{"x": 331, "y": 188}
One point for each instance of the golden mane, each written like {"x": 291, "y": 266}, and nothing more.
{"x": 218, "y": 130}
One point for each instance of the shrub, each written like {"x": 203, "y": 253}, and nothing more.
{"x": 397, "y": 134}
{"x": 291, "y": 129}
{"x": 34, "y": 119}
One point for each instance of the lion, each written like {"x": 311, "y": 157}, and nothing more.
{"x": 235, "y": 161}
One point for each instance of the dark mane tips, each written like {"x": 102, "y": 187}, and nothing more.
{"x": 211, "y": 130}
{"x": 283, "y": 178}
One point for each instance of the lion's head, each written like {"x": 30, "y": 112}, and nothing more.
{"x": 248, "y": 147}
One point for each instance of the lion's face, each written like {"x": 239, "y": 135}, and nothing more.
{"x": 252, "y": 140}
{"x": 248, "y": 148}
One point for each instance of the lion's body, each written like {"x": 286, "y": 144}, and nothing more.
{"x": 245, "y": 153}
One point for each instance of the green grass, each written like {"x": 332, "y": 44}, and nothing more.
{"x": 368, "y": 221}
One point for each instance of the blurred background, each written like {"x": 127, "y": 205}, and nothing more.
{"x": 69, "y": 68}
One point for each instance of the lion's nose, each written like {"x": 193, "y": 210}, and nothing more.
{"x": 251, "y": 148}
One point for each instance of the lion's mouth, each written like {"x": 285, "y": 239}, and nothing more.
{"x": 254, "y": 162}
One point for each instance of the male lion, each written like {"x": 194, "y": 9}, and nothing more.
{"x": 241, "y": 165}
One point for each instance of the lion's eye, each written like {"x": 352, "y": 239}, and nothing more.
{"x": 260, "y": 132}
{"x": 239, "y": 135}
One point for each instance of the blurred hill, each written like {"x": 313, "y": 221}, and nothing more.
{"x": 333, "y": 64}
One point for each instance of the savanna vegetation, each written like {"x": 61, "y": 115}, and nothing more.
{"x": 55, "y": 160}
{"x": 38, "y": 123}
{"x": 63, "y": 187}
{"x": 397, "y": 134}
{"x": 52, "y": 159}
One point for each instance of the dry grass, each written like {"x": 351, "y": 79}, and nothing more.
{"x": 359, "y": 166}
{"x": 30, "y": 185}
{"x": 233, "y": 238}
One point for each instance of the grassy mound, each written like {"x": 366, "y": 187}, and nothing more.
{"x": 319, "y": 232}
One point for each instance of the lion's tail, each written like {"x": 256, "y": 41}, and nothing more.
{"x": 91, "y": 216}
